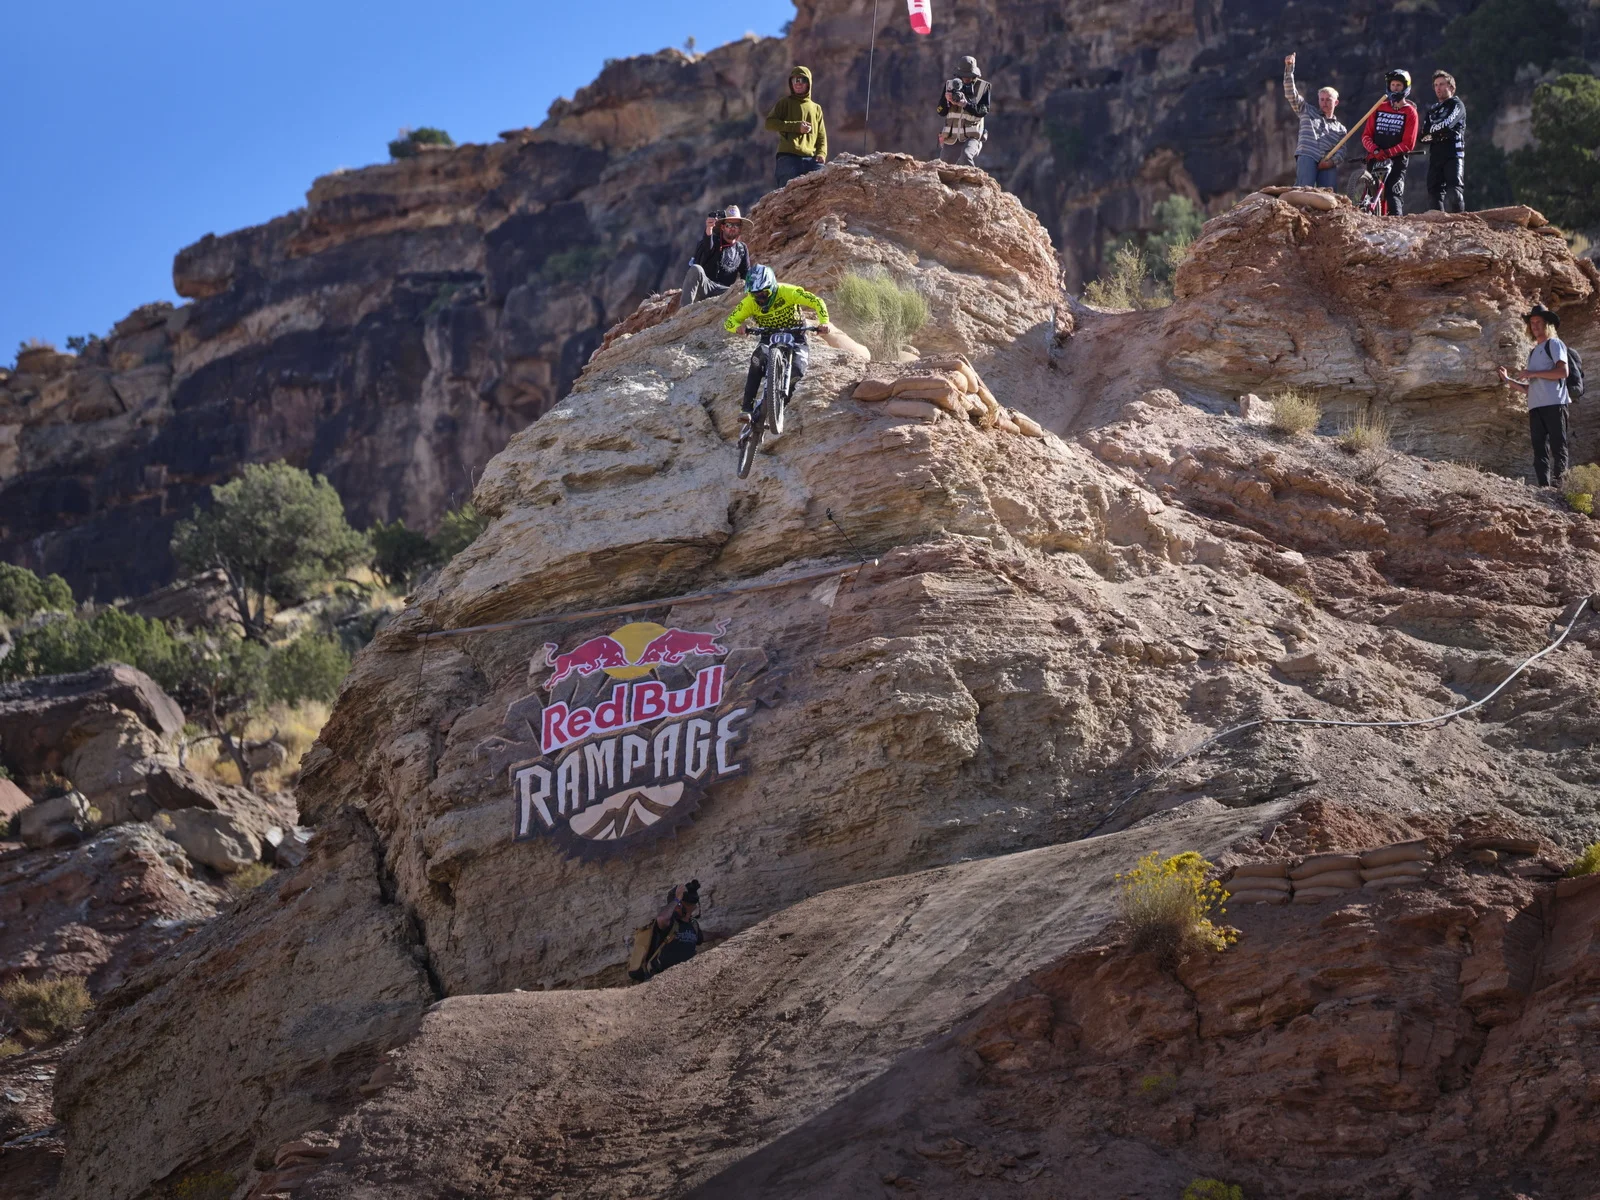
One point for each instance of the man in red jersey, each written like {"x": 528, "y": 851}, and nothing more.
{"x": 1390, "y": 136}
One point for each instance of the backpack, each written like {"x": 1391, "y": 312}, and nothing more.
{"x": 1574, "y": 378}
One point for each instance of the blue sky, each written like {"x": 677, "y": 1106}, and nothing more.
{"x": 135, "y": 129}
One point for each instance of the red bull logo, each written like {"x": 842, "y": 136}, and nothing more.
{"x": 635, "y": 760}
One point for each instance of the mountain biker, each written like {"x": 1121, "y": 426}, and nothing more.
{"x": 773, "y": 306}
{"x": 1445, "y": 131}
{"x": 1390, "y": 136}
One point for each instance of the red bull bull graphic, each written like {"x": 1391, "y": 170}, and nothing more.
{"x": 631, "y": 730}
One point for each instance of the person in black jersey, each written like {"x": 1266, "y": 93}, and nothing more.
{"x": 1444, "y": 128}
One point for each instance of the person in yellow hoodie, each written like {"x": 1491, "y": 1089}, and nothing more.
{"x": 802, "y": 134}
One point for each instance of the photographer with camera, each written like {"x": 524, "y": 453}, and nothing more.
{"x": 672, "y": 937}
{"x": 964, "y": 105}
{"x": 720, "y": 260}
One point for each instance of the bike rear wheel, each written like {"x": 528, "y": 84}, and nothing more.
{"x": 750, "y": 440}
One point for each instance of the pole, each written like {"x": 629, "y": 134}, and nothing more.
{"x": 872, "y": 46}
{"x": 1362, "y": 124}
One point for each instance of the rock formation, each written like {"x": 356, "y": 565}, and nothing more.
{"x": 395, "y": 332}
{"x": 886, "y": 763}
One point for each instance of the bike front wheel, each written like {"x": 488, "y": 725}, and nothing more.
{"x": 777, "y": 387}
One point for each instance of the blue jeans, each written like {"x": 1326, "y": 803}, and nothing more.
{"x": 792, "y": 166}
{"x": 1308, "y": 174}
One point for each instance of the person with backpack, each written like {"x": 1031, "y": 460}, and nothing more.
{"x": 670, "y": 939}
{"x": 1444, "y": 128}
{"x": 802, "y": 133}
{"x": 1320, "y": 132}
{"x": 720, "y": 260}
{"x": 964, "y": 107}
{"x": 1553, "y": 378}
{"x": 1389, "y": 137}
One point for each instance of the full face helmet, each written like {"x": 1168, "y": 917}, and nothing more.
{"x": 762, "y": 284}
{"x": 1404, "y": 78}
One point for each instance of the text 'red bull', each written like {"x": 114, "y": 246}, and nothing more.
{"x": 630, "y": 704}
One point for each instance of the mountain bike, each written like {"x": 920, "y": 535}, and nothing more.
{"x": 1371, "y": 188}
{"x": 776, "y": 350}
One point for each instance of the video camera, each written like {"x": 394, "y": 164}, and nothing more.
{"x": 953, "y": 87}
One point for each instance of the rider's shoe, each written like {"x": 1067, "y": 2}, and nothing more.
{"x": 744, "y": 418}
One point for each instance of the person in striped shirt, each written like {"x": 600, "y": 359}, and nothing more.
{"x": 1320, "y": 131}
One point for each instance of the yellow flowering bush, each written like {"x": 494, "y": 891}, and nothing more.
{"x": 1169, "y": 903}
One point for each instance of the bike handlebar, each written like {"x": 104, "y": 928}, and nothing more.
{"x": 803, "y": 327}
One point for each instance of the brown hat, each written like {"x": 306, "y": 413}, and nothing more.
{"x": 1539, "y": 310}
{"x": 732, "y": 213}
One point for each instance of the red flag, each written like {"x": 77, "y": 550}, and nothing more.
{"x": 921, "y": 15}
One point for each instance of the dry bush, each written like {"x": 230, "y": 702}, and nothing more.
{"x": 47, "y": 1008}
{"x": 1168, "y": 905}
{"x": 1125, "y": 282}
{"x": 296, "y": 726}
{"x": 1588, "y": 862}
{"x": 880, "y": 313}
{"x": 211, "y": 1185}
{"x": 1295, "y": 413}
{"x": 248, "y": 878}
{"x": 10, "y": 1048}
{"x": 1367, "y": 434}
{"x": 1212, "y": 1189}
{"x": 1581, "y": 486}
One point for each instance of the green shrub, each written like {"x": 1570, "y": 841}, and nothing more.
{"x": 76, "y": 643}
{"x": 1122, "y": 284}
{"x": 400, "y": 554}
{"x": 1588, "y": 862}
{"x": 458, "y": 529}
{"x": 47, "y": 1008}
{"x": 878, "y": 312}
{"x": 1581, "y": 486}
{"x": 10, "y": 1048}
{"x": 1212, "y": 1189}
{"x": 277, "y": 532}
{"x": 1178, "y": 223}
{"x": 1369, "y": 432}
{"x": 580, "y": 262}
{"x": 1168, "y": 904}
{"x": 22, "y": 593}
{"x": 1581, "y": 502}
{"x": 1295, "y": 413}
{"x": 211, "y": 1185}
{"x": 405, "y": 146}
{"x": 1560, "y": 174}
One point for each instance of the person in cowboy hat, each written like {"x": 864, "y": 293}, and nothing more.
{"x": 720, "y": 260}
{"x": 1544, "y": 382}
{"x": 964, "y": 105}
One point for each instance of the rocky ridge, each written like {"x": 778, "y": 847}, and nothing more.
{"x": 1045, "y": 621}
{"x": 394, "y": 332}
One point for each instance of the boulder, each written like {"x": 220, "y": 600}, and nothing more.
{"x": 291, "y": 846}
{"x": 42, "y": 721}
{"x": 110, "y": 766}
{"x": 200, "y": 600}
{"x": 60, "y": 821}
{"x": 212, "y": 839}
{"x": 12, "y": 800}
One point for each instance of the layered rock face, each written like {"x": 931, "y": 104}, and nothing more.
{"x": 395, "y": 332}
{"x": 1045, "y": 622}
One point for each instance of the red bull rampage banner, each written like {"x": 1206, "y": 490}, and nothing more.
{"x": 632, "y": 729}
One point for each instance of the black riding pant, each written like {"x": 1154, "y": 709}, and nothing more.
{"x": 1447, "y": 180}
{"x": 1548, "y": 426}
{"x": 758, "y": 368}
{"x": 1396, "y": 191}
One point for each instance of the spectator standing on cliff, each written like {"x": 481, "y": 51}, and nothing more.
{"x": 802, "y": 133}
{"x": 720, "y": 260}
{"x": 1320, "y": 132}
{"x": 964, "y": 105}
{"x": 1444, "y": 128}
{"x": 1545, "y": 384}
{"x": 1390, "y": 136}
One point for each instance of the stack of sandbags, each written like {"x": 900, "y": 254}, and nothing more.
{"x": 1395, "y": 865}
{"x": 932, "y": 388}
{"x": 1323, "y": 876}
{"x": 1259, "y": 883}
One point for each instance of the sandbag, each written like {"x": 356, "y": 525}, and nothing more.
{"x": 1317, "y": 895}
{"x": 1258, "y": 897}
{"x": 945, "y": 397}
{"x": 1327, "y": 879}
{"x": 922, "y": 380}
{"x": 1402, "y": 870}
{"x": 1378, "y": 885}
{"x": 990, "y": 403}
{"x": 957, "y": 367}
{"x": 1264, "y": 870}
{"x": 873, "y": 390}
{"x": 1318, "y": 863}
{"x": 919, "y": 409}
{"x": 1029, "y": 427}
{"x": 975, "y": 407}
{"x": 1253, "y": 883}
{"x": 1303, "y": 198}
{"x": 1394, "y": 853}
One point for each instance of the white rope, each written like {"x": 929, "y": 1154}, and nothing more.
{"x": 1229, "y": 732}
{"x": 866, "y": 124}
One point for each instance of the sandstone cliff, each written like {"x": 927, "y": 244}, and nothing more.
{"x": 1045, "y": 621}
{"x": 395, "y": 332}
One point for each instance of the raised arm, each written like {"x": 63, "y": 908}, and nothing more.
{"x": 1290, "y": 92}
